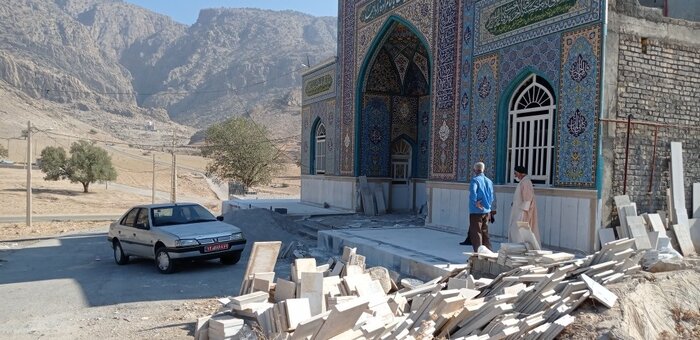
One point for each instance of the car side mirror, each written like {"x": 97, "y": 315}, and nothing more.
{"x": 220, "y": 218}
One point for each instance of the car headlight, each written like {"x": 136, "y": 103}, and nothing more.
{"x": 236, "y": 236}
{"x": 186, "y": 243}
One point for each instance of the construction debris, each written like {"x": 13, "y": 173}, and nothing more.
{"x": 531, "y": 298}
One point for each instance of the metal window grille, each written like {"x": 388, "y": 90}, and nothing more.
{"x": 320, "y": 157}
{"x": 530, "y": 126}
{"x": 400, "y": 161}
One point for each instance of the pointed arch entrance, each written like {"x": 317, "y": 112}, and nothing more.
{"x": 393, "y": 97}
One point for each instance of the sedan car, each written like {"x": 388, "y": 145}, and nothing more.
{"x": 174, "y": 232}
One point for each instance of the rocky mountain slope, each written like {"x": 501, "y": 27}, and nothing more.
{"x": 101, "y": 59}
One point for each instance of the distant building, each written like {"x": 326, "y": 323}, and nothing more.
{"x": 423, "y": 89}
{"x": 150, "y": 126}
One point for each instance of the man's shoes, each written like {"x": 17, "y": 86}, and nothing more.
{"x": 466, "y": 243}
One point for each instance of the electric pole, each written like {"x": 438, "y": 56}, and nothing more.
{"x": 173, "y": 182}
{"x": 29, "y": 174}
{"x": 153, "y": 185}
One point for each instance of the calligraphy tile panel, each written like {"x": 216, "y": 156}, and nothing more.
{"x": 447, "y": 63}
{"x": 347, "y": 90}
{"x": 501, "y": 23}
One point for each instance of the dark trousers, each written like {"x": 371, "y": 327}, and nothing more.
{"x": 479, "y": 230}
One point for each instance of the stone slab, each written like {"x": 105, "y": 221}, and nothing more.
{"x": 379, "y": 197}
{"x": 685, "y": 242}
{"x": 342, "y": 318}
{"x": 285, "y": 290}
{"x": 297, "y": 311}
{"x": 655, "y": 222}
{"x": 606, "y": 235}
{"x": 638, "y": 231}
{"x": 263, "y": 257}
{"x": 679, "y": 213}
{"x": 600, "y": 293}
{"x": 696, "y": 200}
{"x": 312, "y": 289}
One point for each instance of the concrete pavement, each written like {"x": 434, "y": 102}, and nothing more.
{"x": 413, "y": 251}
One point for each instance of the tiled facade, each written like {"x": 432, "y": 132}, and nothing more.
{"x": 471, "y": 66}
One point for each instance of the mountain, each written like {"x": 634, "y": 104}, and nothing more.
{"x": 111, "y": 64}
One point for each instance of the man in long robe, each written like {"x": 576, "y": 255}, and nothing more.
{"x": 524, "y": 207}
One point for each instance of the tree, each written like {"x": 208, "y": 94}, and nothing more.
{"x": 87, "y": 164}
{"x": 241, "y": 151}
{"x": 3, "y": 152}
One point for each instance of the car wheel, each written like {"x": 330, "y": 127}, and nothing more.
{"x": 164, "y": 264}
{"x": 119, "y": 257}
{"x": 231, "y": 258}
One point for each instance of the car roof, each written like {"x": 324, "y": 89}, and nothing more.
{"x": 165, "y": 205}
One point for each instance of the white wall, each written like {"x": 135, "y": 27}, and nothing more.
{"x": 336, "y": 191}
{"x": 566, "y": 217}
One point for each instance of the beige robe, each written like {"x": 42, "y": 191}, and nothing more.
{"x": 524, "y": 209}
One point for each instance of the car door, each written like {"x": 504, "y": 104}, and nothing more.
{"x": 125, "y": 232}
{"x": 143, "y": 235}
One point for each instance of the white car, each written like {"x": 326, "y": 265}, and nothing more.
{"x": 174, "y": 232}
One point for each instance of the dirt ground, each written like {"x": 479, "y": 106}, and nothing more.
{"x": 134, "y": 181}
{"x": 650, "y": 306}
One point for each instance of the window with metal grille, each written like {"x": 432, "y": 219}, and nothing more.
{"x": 320, "y": 157}
{"x": 400, "y": 161}
{"x": 530, "y": 126}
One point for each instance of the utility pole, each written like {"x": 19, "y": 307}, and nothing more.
{"x": 173, "y": 182}
{"x": 29, "y": 174}
{"x": 153, "y": 185}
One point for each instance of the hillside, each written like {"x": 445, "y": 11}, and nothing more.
{"x": 114, "y": 66}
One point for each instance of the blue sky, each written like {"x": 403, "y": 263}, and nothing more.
{"x": 186, "y": 11}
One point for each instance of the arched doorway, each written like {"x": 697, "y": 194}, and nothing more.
{"x": 394, "y": 112}
{"x": 530, "y": 126}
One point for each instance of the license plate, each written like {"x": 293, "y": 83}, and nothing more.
{"x": 215, "y": 247}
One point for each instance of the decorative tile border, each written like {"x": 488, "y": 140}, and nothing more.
{"x": 347, "y": 62}
{"x": 447, "y": 65}
{"x": 465, "y": 72}
{"x": 484, "y": 112}
{"x": 579, "y": 105}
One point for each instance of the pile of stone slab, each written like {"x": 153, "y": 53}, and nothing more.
{"x": 344, "y": 300}
{"x": 654, "y": 231}
{"x": 511, "y": 256}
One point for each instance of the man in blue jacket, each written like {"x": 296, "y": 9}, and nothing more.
{"x": 481, "y": 198}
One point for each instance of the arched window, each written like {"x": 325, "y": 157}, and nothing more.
{"x": 400, "y": 161}
{"x": 530, "y": 125}
{"x": 320, "y": 149}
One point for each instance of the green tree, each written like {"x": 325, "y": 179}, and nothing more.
{"x": 3, "y": 152}
{"x": 241, "y": 151}
{"x": 87, "y": 164}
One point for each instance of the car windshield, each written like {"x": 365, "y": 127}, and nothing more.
{"x": 180, "y": 214}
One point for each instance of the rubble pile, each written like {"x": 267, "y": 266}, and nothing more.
{"x": 342, "y": 299}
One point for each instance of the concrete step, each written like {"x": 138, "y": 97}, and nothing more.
{"x": 417, "y": 252}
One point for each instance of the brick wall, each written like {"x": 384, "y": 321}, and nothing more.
{"x": 660, "y": 84}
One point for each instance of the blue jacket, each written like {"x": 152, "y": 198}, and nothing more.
{"x": 480, "y": 189}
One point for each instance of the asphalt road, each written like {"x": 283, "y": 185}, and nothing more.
{"x": 46, "y": 284}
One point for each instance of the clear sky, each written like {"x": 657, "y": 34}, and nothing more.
{"x": 186, "y": 11}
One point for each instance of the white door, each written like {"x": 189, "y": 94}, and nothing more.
{"x": 401, "y": 189}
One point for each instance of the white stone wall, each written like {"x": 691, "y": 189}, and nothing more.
{"x": 338, "y": 192}
{"x": 566, "y": 216}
